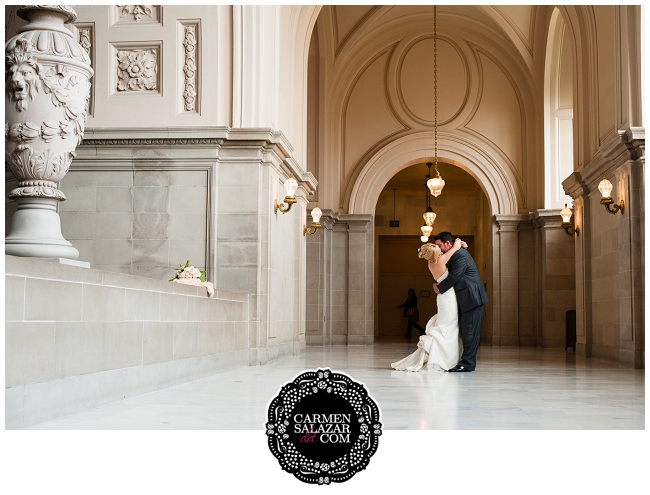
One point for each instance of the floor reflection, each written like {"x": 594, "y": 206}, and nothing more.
{"x": 512, "y": 389}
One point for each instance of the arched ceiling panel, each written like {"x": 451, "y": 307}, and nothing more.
{"x": 368, "y": 115}
{"x": 417, "y": 82}
{"x": 498, "y": 117}
{"x": 347, "y": 19}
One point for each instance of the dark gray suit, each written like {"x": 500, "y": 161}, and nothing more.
{"x": 470, "y": 293}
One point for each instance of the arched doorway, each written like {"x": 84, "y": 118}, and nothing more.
{"x": 462, "y": 209}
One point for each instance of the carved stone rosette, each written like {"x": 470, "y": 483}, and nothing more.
{"x": 47, "y": 86}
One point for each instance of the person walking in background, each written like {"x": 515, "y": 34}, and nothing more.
{"x": 412, "y": 313}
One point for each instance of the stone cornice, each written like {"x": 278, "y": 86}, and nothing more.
{"x": 546, "y": 218}
{"x": 227, "y": 140}
{"x": 574, "y": 186}
{"x": 166, "y": 136}
{"x": 626, "y": 144}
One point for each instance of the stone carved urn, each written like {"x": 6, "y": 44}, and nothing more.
{"x": 46, "y": 91}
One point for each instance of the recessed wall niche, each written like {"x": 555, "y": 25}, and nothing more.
{"x": 136, "y": 68}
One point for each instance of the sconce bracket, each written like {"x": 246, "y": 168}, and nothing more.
{"x": 608, "y": 201}
{"x": 290, "y": 200}
{"x": 311, "y": 230}
{"x": 570, "y": 230}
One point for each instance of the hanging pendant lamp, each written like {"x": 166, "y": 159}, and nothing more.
{"x": 429, "y": 215}
{"x": 435, "y": 183}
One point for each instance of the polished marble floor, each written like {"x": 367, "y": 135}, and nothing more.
{"x": 512, "y": 389}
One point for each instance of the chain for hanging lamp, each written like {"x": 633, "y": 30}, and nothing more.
{"x": 435, "y": 183}
{"x": 429, "y": 215}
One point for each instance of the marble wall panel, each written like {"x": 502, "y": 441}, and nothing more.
{"x": 187, "y": 226}
{"x": 81, "y": 198}
{"x": 78, "y": 225}
{"x": 114, "y": 199}
{"x": 114, "y": 251}
{"x": 79, "y": 327}
{"x": 14, "y": 298}
{"x": 241, "y": 335}
{"x": 122, "y": 345}
{"x": 79, "y": 347}
{"x": 173, "y": 307}
{"x": 237, "y": 227}
{"x": 187, "y": 199}
{"x": 238, "y": 200}
{"x": 160, "y": 217}
{"x": 97, "y": 178}
{"x": 150, "y": 226}
{"x": 182, "y": 250}
{"x": 186, "y": 339}
{"x": 52, "y": 300}
{"x": 157, "y": 342}
{"x": 101, "y": 303}
{"x": 113, "y": 225}
{"x": 30, "y": 352}
{"x": 141, "y": 305}
{"x": 208, "y": 335}
{"x": 152, "y": 199}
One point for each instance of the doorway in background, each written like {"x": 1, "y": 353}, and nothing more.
{"x": 400, "y": 269}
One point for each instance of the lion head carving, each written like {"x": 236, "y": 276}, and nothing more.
{"x": 23, "y": 74}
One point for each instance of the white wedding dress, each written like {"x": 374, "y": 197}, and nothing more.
{"x": 441, "y": 346}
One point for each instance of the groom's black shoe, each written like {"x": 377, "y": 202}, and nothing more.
{"x": 459, "y": 368}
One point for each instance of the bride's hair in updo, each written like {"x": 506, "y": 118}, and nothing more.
{"x": 429, "y": 252}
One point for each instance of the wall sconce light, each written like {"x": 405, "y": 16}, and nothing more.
{"x": 290, "y": 186}
{"x": 566, "y": 221}
{"x": 316, "y": 213}
{"x": 605, "y": 188}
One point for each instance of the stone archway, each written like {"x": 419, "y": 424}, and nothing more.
{"x": 453, "y": 148}
{"x": 501, "y": 324}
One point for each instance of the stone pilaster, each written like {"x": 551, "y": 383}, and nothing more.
{"x": 577, "y": 189}
{"x": 340, "y": 281}
{"x": 556, "y": 277}
{"x": 360, "y": 279}
{"x": 506, "y": 277}
{"x": 527, "y": 290}
{"x": 260, "y": 252}
{"x": 610, "y": 252}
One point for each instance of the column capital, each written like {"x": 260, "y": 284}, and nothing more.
{"x": 509, "y": 223}
{"x": 355, "y": 223}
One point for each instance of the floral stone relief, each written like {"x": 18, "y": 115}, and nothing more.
{"x": 137, "y": 11}
{"x": 189, "y": 94}
{"x": 137, "y": 70}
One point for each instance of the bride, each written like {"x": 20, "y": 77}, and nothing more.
{"x": 441, "y": 346}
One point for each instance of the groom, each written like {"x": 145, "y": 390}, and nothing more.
{"x": 463, "y": 277}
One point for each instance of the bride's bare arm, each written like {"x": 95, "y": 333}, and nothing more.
{"x": 443, "y": 258}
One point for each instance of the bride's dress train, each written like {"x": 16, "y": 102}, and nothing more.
{"x": 441, "y": 346}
